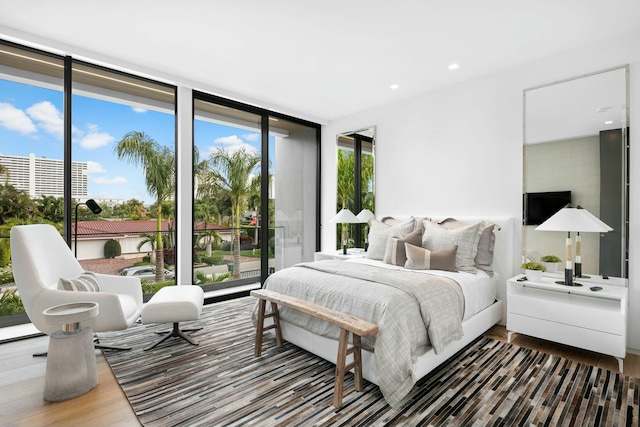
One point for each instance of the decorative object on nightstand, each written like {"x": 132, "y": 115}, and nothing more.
{"x": 345, "y": 216}
{"x": 550, "y": 263}
{"x": 365, "y": 216}
{"x": 579, "y": 220}
{"x": 533, "y": 270}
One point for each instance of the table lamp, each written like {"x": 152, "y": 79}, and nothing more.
{"x": 345, "y": 216}
{"x": 365, "y": 216}
{"x": 579, "y": 220}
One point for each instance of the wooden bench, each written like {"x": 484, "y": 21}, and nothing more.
{"x": 347, "y": 324}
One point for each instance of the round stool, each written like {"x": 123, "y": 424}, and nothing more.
{"x": 71, "y": 361}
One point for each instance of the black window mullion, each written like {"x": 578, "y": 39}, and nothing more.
{"x": 357, "y": 185}
{"x": 67, "y": 97}
{"x": 263, "y": 215}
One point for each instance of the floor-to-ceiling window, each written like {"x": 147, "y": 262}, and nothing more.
{"x": 31, "y": 152}
{"x": 124, "y": 142}
{"x": 255, "y": 192}
{"x": 68, "y": 135}
{"x": 74, "y": 145}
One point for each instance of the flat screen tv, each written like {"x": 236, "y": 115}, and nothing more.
{"x": 538, "y": 207}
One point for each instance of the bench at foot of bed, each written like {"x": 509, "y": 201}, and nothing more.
{"x": 347, "y": 324}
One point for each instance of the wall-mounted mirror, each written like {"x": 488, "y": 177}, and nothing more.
{"x": 576, "y": 149}
{"x": 356, "y": 179}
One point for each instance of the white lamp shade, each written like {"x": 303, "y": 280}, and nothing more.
{"x": 365, "y": 215}
{"x": 574, "y": 219}
{"x": 345, "y": 216}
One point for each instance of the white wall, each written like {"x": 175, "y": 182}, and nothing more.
{"x": 458, "y": 150}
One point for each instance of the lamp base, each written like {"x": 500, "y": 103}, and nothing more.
{"x": 568, "y": 278}
{"x": 344, "y": 249}
{"x": 578, "y": 269}
{"x": 576, "y": 284}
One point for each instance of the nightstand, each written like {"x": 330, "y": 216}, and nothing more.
{"x": 338, "y": 255}
{"x": 571, "y": 315}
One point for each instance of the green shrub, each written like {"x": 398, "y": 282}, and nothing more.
{"x": 220, "y": 277}
{"x": 6, "y": 275}
{"x": 146, "y": 259}
{"x": 5, "y": 252}
{"x": 550, "y": 258}
{"x": 214, "y": 259}
{"x": 112, "y": 249}
{"x": 10, "y": 303}
{"x": 150, "y": 287}
{"x": 200, "y": 277}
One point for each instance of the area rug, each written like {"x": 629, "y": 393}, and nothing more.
{"x": 221, "y": 383}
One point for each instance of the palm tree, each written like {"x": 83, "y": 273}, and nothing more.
{"x": 209, "y": 236}
{"x": 158, "y": 166}
{"x": 151, "y": 239}
{"x": 233, "y": 173}
{"x": 5, "y": 171}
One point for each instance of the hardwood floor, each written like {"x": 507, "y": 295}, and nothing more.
{"x": 22, "y": 383}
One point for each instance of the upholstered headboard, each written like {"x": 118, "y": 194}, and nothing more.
{"x": 506, "y": 254}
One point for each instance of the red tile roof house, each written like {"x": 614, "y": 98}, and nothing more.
{"x": 92, "y": 235}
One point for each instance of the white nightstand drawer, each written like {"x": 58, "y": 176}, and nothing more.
{"x": 601, "y": 342}
{"x": 594, "y": 320}
{"x": 596, "y": 314}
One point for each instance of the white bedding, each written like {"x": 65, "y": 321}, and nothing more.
{"x": 479, "y": 289}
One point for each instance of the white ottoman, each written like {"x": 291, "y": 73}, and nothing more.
{"x": 174, "y": 304}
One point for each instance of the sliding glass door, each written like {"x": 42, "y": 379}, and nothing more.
{"x": 255, "y": 192}
{"x": 293, "y": 180}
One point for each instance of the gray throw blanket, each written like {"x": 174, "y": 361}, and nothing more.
{"x": 411, "y": 310}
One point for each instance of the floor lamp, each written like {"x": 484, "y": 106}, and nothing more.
{"x": 578, "y": 220}
{"x": 345, "y": 216}
{"x": 96, "y": 209}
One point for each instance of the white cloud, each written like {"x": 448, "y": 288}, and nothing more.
{"x": 138, "y": 110}
{"x": 232, "y": 144}
{"x": 95, "y": 139}
{"x": 94, "y": 167}
{"x": 15, "y": 119}
{"x": 252, "y": 137}
{"x": 47, "y": 116}
{"x": 118, "y": 180}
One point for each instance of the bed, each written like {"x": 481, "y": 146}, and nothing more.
{"x": 425, "y": 315}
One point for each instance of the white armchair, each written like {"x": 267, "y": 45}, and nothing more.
{"x": 40, "y": 257}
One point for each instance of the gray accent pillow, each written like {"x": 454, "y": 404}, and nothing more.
{"x": 86, "y": 282}
{"x": 379, "y": 235}
{"x": 419, "y": 258}
{"x": 389, "y": 220}
{"x": 486, "y": 244}
{"x": 395, "y": 252}
{"x": 466, "y": 237}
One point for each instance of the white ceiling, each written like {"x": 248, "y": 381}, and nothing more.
{"x": 319, "y": 60}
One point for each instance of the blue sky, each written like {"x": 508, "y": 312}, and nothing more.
{"x": 31, "y": 121}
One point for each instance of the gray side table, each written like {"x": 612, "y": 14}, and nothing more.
{"x": 71, "y": 361}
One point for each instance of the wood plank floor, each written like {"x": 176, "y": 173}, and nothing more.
{"x": 22, "y": 383}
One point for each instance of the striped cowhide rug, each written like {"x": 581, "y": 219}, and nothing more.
{"x": 220, "y": 383}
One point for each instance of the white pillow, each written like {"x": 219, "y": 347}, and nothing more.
{"x": 438, "y": 237}
{"x": 86, "y": 282}
{"x": 380, "y": 232}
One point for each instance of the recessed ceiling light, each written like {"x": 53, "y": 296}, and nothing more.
{"x": 394, "y": 86}
{"x": 608, "y": 122}
{"x": 454, "y": 66}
